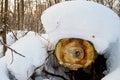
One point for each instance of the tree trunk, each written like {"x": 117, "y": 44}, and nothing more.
{"x": 22, "y": 13}
{"x": 75, "y": 53}
{"x": 14, "y": 16}
{"x": 5, "y": 25}
{"x": 1, "y": 17}
{"x": 18, "y": 12}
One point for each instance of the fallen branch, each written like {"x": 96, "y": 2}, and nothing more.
{"x": 11, "y": 49}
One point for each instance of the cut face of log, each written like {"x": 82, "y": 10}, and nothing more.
{"x": 75, "y": 53}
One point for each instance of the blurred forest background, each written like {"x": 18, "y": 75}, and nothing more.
{"x": 25, "y": 14}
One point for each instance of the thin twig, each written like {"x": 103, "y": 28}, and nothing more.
{"x": 11, "y": 49}
{"x": 25, "y": 34}
{"x": 14, "y": 35}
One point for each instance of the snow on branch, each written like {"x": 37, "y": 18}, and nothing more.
{"x": 11, "y": 49}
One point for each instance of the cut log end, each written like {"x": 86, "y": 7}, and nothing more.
{"x": 75, "y": 53}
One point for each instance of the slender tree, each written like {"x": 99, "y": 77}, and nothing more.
{"x": 14, "y": 16}
{"x": 22, "y": 13}
{"x": 1, "y": 16}
{"x": 5, "y": 25}
{"x": 18, "y": 14}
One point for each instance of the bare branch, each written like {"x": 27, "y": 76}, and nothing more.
{"x": 25, "y": 34}
{"x": 14, "y": 36}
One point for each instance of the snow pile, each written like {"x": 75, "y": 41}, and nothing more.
{"x": 32, "y": 47}
{"x": 82, "y": 19}
{"x": 90, "y": 21}
{"x": 76, "y": 19}
{"x": 14, "y": 35}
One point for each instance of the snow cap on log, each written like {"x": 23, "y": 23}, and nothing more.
{"x": 82, "y": 19}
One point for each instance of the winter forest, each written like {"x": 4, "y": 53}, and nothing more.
{"x": 35, "y": 33}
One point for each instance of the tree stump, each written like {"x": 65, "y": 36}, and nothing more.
{"x": 75, "y": 53}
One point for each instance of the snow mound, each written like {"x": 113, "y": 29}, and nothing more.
{"x": 32, "y": 47}
{"x": 82, "y": 19}
{"x": 90, "y": 21}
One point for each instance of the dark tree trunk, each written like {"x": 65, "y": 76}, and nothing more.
{"x": 5, "y": 25}
{"x": 18, "y": 12}
{"x": 14, "y": 16}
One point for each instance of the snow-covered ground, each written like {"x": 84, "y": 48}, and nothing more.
{"x": 3, "y": 70}
{"x": 78, "y": 19}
